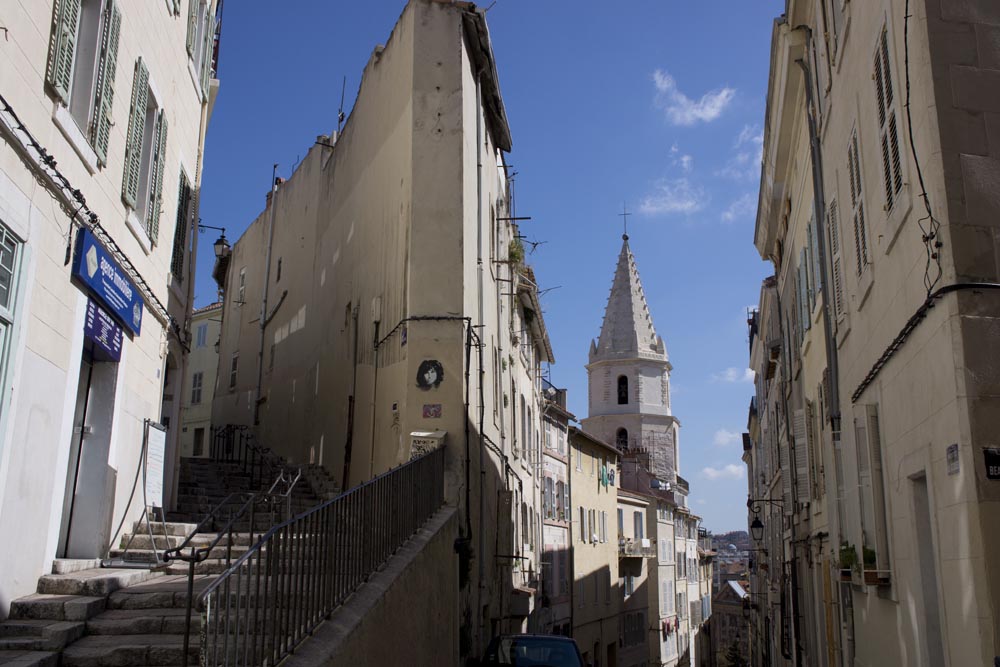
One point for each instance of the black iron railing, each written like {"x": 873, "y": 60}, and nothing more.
{"x": 236, "y": 445}
{"x": 274, "y": 595}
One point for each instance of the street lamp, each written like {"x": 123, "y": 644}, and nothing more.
{"x": 221, "y": 245}
{"x": 754, "y": 505}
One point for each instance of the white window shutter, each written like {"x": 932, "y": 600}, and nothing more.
{"x": 802, "y": 486}
{"x": 105, "y": 88}
{"x": 833, "y": 223}
{"x": 786, "y": 476}
{"x": 208, "y": 51}
{"x": 136, "y": 129}
{"x": 62, "y": 47}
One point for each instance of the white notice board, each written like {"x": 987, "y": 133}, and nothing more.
{"x": 156, "y": 442}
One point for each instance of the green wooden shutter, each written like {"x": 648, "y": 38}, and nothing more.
{"x": 62, "y": 47}
{"x": 100, "y": 132}
{"x": 156, "y": 178}
{"x": 136, "y": 129}
{"x": 192, "y": 32}
{"x": 207, "y": 53}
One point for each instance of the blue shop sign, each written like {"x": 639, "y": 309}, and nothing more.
{"x": 99, "y": 271}
{"x": 101, "y": 328}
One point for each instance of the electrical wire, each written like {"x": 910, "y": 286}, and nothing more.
{"x": 46, "y": 164}
{"x": 930, "y": 232}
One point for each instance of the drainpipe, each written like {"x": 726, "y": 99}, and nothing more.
{"x": 479, "y": 287}
{"x": 263, "y": 300}
{"x": 351, "y": 403}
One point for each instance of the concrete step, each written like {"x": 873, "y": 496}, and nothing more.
{"x": 71, "y": 565}
{"x": 56, "y": 607}
{"x": 120, "y": 650}
{"x": 168, "y": 591}
{"x": 165, "y": 621}
{"x": 95, "y": 583}
{"x": 39, "y": 635}
{"x": 21, "y": 658}
{"x": 158, "y": 528}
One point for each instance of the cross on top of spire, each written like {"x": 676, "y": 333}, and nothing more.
{"x": 624, "y": 215}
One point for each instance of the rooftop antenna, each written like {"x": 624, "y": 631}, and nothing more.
{"x": 624, "y": 215}
{"x": 340, "y": 112}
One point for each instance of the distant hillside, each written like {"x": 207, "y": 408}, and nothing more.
{"x": 740, "y": 538}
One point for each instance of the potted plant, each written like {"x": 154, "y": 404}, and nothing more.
{"x": 871, "y": 564}
{"x": 848, "y": 561}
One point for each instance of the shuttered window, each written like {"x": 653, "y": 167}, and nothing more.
{"x": 871, "y": 485}
{"x": 82, "y": 59}
{"x": 180, "y": 231}
{"x": 145, "y": 155}
{"x": 836, "y": 262}
{"x": 201, "y": 41}
{"x": 885, "y": 99}
{"x": 801, "y": 443}
{"x": 861, "y": 255}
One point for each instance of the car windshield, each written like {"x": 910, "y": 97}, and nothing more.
{"x": 532, "y": 652}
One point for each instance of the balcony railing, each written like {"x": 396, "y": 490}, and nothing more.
{"x": 629, "y": 548}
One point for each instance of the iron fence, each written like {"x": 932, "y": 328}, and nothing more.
{"x": 236, "y": 445}
{"x": 288, "y": 581}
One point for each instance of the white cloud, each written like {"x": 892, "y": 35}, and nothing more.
{"x": 733, "y": 374}
{"x": 681, "y": 109}
{"x": 674, "y": 196}
{"x": 677, "y": 159}
{"x": 700, "y": 501}
{"x": 686, "y": 162}
{"x": 723, "y": 437}
{"x": 744, "y": 165}
{"x": 743, "y": 207}
{"x": 731, "y": 471}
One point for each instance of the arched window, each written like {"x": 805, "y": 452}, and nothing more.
{"x": 621, "y": 439}
{"x": 622, "y": 390}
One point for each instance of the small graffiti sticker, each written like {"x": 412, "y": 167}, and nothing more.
{"x": 432, "y": 411}
{"x": 430, "y": 374}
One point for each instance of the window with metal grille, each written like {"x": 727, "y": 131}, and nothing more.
{"x": 892, "y": 170}
{"x": 861, "y": 254}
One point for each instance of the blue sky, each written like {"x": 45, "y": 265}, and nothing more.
{"x": 657, "y": 104}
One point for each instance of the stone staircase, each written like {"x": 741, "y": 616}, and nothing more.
{"x": 87, "y": 616}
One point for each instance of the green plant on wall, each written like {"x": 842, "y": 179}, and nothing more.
{"x": 515, "y": 252}
{"x": 869, "y": 558}
{"x": 848, "y": 557}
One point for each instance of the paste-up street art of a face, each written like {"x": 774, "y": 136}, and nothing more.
{"x": 430, "y": 374}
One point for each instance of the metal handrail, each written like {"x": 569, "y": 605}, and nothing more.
{"x": 289, "y": 581}
{"x": 199, "y": 554}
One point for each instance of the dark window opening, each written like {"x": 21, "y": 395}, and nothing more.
{"x": 622, "y": 390}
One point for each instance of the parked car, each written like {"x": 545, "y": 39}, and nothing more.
{"x": 532, "y": 651}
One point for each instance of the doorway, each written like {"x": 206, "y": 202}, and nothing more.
{"x": 88, "y": 502}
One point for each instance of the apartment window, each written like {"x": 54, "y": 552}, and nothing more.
{"x": 567, "y": 508}
{"x": 892, "y": 170}
{"x": 201, "y": 41}
{"x": 83, "y": 53}
{"x": 583, "y": 524}
{"x": 201, "y": 335}
{"x": 622, "y": 390}
{"x": 196, "y": 382}
{"x": 871, "y": 483}
{"x": 232, "y": 370}
{"x": 180, "y": 231}
{"x": 579, "y": 459}
{"x": 621, "y": 523}
{"x": 637, "y": 525}
{"x": 10, "y": 260}
{"x": 604, "y": 526}
{"x": 559, "y": 500}
{"x": 241, "y": 294}
{"x": 547, "y": 498}
{"x": 198, "y": 448}
{"x": 668, "y": 596}
{"x": 145, "y": 155}
{"x": 857, "y": 205}
{"x": 277, "y": 278}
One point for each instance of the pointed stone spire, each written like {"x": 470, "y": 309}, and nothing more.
{"x": 627, "y": 331}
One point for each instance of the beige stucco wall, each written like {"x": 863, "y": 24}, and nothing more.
{"x": 44, "y": 356}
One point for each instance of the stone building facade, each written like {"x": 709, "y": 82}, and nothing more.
{"x": 105, "y": 105}
{"x": 876, "y": 389}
